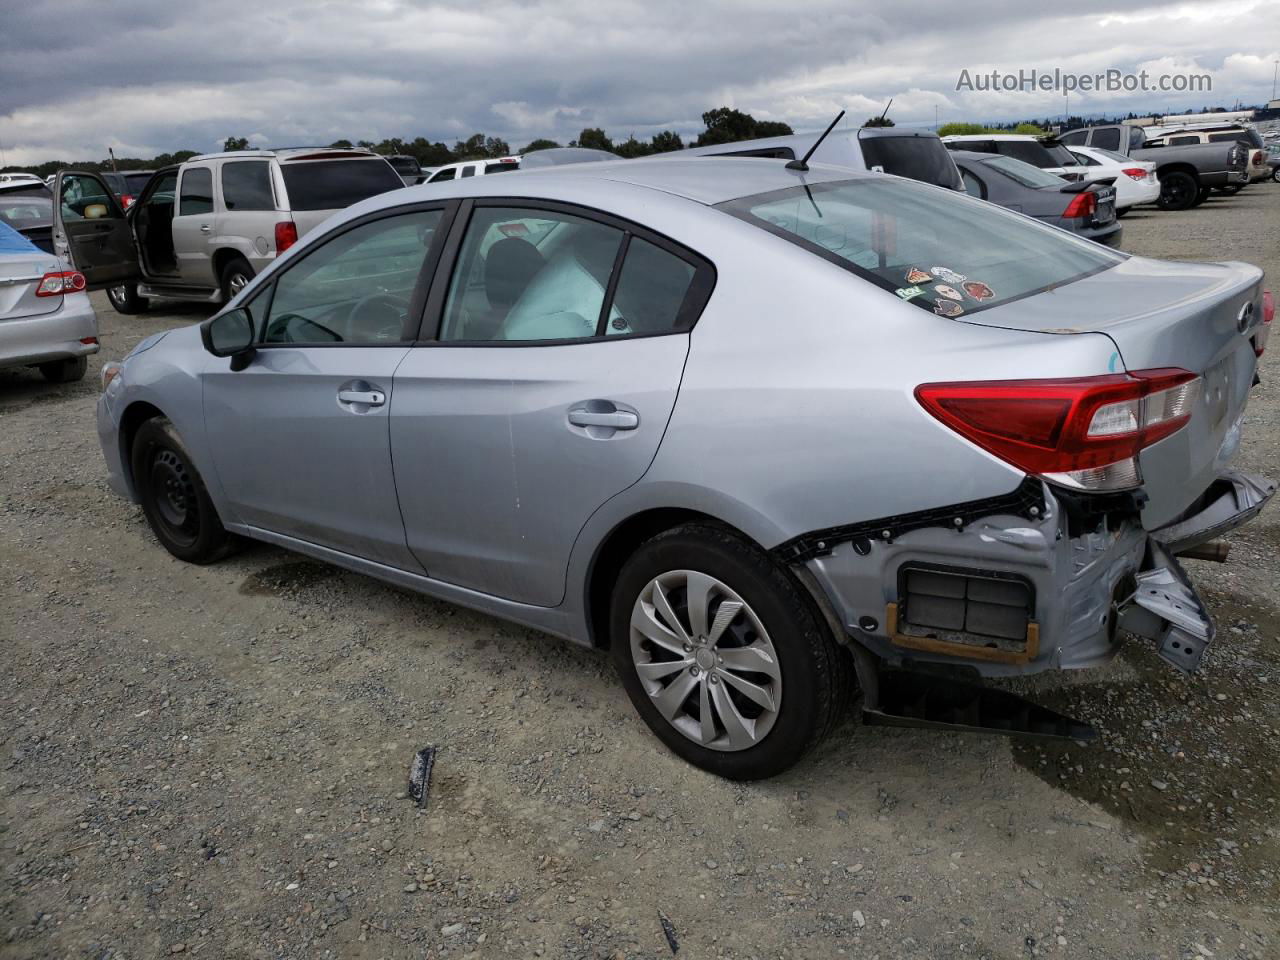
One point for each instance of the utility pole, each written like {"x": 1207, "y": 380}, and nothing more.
{"x": 935, "y": 114}
{"x": 1274, "y": 74}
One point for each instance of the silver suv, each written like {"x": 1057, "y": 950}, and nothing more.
{"x": 203, "y": 229}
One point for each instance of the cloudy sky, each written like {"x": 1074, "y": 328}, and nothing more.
{"x": 149, "y": 76}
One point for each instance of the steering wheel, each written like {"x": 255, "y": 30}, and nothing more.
{"x": 379, "y": 316}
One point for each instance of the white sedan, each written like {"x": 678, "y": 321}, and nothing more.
{"x": 1136, "y": 180}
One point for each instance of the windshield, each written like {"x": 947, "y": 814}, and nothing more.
{"x": 405, "y": 166}
{"x": 942, "y": 251}
{"x": 1024, "y": 173}
{"x": 916, "y": 158}
{"x": 334, "y": 184}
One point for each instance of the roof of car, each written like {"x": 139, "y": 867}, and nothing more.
{"x": 707, "y": 180}
{"x": 286, "y": 153}
{"x": 953, "y": 137}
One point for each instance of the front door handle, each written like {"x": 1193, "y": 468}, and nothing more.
{"x": 205, "y": 228}
{"x": 373, "y": 398}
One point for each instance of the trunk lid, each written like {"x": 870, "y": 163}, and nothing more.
{"x": 20, "y": 275}
{"x": 1165, "y": 314}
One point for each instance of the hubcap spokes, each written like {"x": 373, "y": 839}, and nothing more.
{"x": 705, "y": 660}
{"x": 238, "y": 282}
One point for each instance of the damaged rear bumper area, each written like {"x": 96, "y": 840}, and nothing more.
{"x": 1039, "y": 579}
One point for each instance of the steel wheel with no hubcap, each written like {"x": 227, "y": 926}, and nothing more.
{"x": 705, "y": 660}
{"x": 174, "y": 496}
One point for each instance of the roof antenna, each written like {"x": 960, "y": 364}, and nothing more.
{"x": 803, "y": 163}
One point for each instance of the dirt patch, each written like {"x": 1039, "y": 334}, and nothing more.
{"x": 288, "y": 579}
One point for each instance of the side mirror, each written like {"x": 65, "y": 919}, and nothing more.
{"x": 230, "y": 334}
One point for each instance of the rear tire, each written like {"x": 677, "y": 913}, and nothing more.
{"x": 769, "y": 636}
{"x": 124, "y": 297}
{"x": 174, "y": 498}
{"x": 1275, "y": 175}
{"x": 65, "y": 371}
{"x": 235, "y": 277}
{"x": 1178, "y": 191}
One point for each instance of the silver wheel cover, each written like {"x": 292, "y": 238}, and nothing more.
{"x": 705, "y": 660}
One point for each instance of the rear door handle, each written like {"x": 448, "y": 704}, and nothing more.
{"x": 617, "y": 419}
{"x": 374, "y": 398}
{"x": 205, "y": 228}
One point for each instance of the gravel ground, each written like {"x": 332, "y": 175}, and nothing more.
{"x": 213, "y": 760}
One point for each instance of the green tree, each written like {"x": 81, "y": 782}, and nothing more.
{"x": 1031, "y": 129}
{"x": 429, "y": 154}
{"x": 593, "y": 138}
{"x": 235, "y": 143}
{"x": 342, "y": 144}
{"x": 631, "y": 147}
{"x": 960, "y": 129}
{"x": 878, "y": 122}
{"x": 479, "y": 147}
{"x": 666, "y": 141}
{"x": 542, "y": 143}
{"x": 727, "y": 125}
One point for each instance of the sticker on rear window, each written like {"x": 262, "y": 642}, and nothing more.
{"x": 951, "y": 293}
{"x": 906, "y": 293}
{"x": 948, "y": 308}
{"x": 915, "y": 275}
{"x": 978, "y": 290}
{"x": 947, "y": 274}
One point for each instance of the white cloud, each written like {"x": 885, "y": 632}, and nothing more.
{"x": 190, "y": 74}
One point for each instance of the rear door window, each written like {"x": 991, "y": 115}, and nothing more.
{"x": 651, "y": 291}
{"x": 335, "y": 184}
{"x": 1075, "y": 138}
{"x": 195, "y": 192}
{"x": 246, "y": 185}
{"x": 917, "y": 158}
{"x": 448, "y": 173}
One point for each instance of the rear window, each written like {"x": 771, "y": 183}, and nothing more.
{"x": 334, "y": 184}
{"x": 1024, "y": 173}
{"x": 136, "y": 181}
{"x": 945, "y": 253}
{"x": 1184, "y": 141}
{"x": 1060, "y": 155}
{"x": 500, "y": 167}
{"x": 27, "y": 207}
{"x": 1028, "y": 151}
{"x": 405, "y": 166}
{"x": 916, "y": 158}
{"x": 1106, "y": 137}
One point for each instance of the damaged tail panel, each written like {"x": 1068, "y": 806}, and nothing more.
{"x": 1038, "y": 579}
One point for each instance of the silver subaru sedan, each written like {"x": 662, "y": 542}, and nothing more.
{"x": 766, "y": 435}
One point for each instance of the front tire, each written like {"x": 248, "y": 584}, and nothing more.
{"x": 235, "y": 277}
{"x": 723, "y": 655}
{"x": 1178, "y": 191}
{"x": 173, "y": 496}
{"x": 65, "y": 371}
{"x": 125, "y": 299}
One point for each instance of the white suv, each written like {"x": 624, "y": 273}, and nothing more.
{"x": 473, "y": 168}
{"x": 203, "y": 229}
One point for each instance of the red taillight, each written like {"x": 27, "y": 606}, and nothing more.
{"x": 1082, "y": 432}
{"x": 1135, "y": 173}
{"x": 1083, "y": 204}
{"x": 1268, "y": 314}
{"x": 1257, "y": 158}
{"x": 88, "y": 341}
{"x": 286, "y": 235}
{"x": 126, "y": 200}
{"x": 57, "y": 283}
